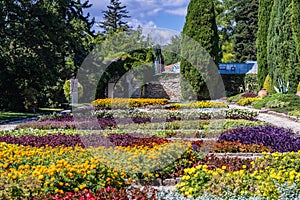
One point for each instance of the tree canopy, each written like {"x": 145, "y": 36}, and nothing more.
{"x": 43, "y": 43}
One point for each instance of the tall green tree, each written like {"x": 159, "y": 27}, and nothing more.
{"x": 201, "y": 27}
{"x": 283, "y": 61}
{"x": 246, "y": 18}
{"x": 40, "y": 36}
{"x": 264, "y": 13}
{"x": 171, "y": 51}
{"x": 114, "y": 18}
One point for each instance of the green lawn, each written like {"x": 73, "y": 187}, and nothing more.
{"x": 8, "y": 116}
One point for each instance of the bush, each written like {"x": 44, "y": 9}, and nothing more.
{"x": 268, "y": 85}
{"x": 67, "y": 90}
{"x": 298, "y": 88}
{"x": 235, "y": 98}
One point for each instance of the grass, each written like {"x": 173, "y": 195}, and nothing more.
{"x": 9, "y": 116}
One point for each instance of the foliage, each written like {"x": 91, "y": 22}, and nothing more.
{"x": 279, "y": 139}
{"x": 171, "y": 52}
{"x": 36, "y": 59}
{"x": 117, "y": 54}
{"x": 128, "y": 102}
{"x": 247, "y": 101}
{"x": 244, "y": 33}
{"x": 235, "y": 98}
{"x": 67, "y": 90}
{"x": 251, "y": 83}
{"x": 295, "y": 113}
{"x": 264, "y": 10}
{"x": 268, "y": 85}
{"x": 280, "y": 102}
{"x": 234, "y": 83}
{"x": 113, "y": 19}
{"x": 200, "y": 28}
{"x": 298, "y": 88}
{"x": 282, "y": 45}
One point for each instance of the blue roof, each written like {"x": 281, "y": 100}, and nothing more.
{"x": 235, "y": 68}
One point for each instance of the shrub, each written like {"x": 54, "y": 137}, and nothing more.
{"x": 268, "y": 85}
{"x": 235, "y": 98}
{"x": 67, "y": 90}
{"x": 298, "y": 88}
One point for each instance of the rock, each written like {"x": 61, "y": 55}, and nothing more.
{"x": 263, "y": 93}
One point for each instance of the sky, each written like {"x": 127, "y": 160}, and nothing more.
{"x": 167, "y": 16}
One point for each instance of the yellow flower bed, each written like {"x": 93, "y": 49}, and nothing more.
{"x": 247, "y": 101}
{"x": 128, "y": 102}
{"x": 64, "y": 169}
{"x": 261, "y": 180}
{"x": 200, "y": 104}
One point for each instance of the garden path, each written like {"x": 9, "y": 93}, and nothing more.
{"x": 13, "y": 124}
{"x": 276, "y": 120}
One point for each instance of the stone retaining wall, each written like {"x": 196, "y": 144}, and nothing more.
{"x": 165, "y": 86}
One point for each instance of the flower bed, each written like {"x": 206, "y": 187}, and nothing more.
{"x": 247, "y": 101}
{"x": 128, "y": 102}
{"x": 199, "y": 104}
{"x": 279, "y": 139}
{"x": 264, "y": 179}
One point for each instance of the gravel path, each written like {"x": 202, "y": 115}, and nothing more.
{"x": 274, "y": 119}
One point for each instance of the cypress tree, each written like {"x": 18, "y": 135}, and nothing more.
{"x": 114, "y": 17}
{"x": 246, "y": 18}
{"x": 264, "y": 11}
{"x": 200, "y": 26}
{"x": 282, "y": 59}
{"x": 296, "y": 34}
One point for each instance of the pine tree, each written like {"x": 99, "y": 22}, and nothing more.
{"x": 264, "y": 12}
{"x": 114, "y": 18}
{"x": 246, "y": 18}
{"x": 201, "y": 27}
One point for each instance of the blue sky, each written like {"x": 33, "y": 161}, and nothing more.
{"x": 163, "y": 14}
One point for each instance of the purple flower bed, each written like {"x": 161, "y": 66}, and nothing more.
{"x": 94, "y": 140}
{"x": 279, "y": 139}
{"x": 41, "y": 141}
{"x": 48, "y": 124}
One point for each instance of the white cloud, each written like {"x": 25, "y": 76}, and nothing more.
{"x": 159, "y": 35}
{"x": 178, "y": 11}
{"x": 134, "y": 23}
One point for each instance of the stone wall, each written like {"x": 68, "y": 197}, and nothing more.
{"x": 165, "y": 86}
